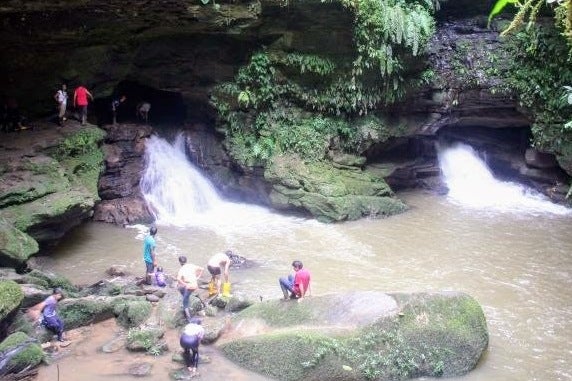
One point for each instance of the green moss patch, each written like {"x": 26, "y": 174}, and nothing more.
{"x": 11, "y": 297}
{"x": 26, "y": 352}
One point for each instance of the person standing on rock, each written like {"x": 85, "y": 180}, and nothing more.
{"x": 81, "y": 98}
{"x": 187, "y": 282}
{"x": 61, "y": 98}
{"x": 149, "y": 255}
{"x": 50, "y": 318}
{"x": 297, "y": 284}
{"x": 190, "y": 340}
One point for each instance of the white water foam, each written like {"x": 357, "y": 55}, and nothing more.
{"x": 180, "y": 195}
{"x": 472, "y": 184}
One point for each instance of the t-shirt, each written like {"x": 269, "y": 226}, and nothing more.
{"x": 61, "y": 97}
{"x": 160, "y": 279}
{"x": 148, "y": 246}
{"x": 302, "y": 277}
{"x": 193, "y": 329}
{"x": 218, "y": 259}
{"x": 81, "y": 96}
{"x": 188, "y": 272}
{"x": 50, "y": 305}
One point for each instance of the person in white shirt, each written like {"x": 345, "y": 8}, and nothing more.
{"x": 187, "y": 282}
{"x": 190, "y": 340}
{"x": 61, "y": 98}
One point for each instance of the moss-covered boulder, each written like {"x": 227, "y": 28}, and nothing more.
{"x": 11, "y": 297}
{"x": 15, "y": 246}
{"x": 327, "y": 192}
{"x": 361, "y": 336}
{"x": 49, "y": 186}
{"x": 19, "y": 352}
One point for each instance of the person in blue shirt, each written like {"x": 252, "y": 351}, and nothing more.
{"x": 50, "y": 318}
{"x": 149, "y": 255}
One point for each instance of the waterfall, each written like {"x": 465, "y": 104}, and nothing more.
{"x": 472, "y": 184}
{"x": 172, "y": 187}
{"x": 178, "y": 194}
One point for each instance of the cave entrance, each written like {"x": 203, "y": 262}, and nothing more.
{"x": 167, "y": 107}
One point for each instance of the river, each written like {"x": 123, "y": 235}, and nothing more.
{"x": 513, "y": 257}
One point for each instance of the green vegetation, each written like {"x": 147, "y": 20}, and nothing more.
{"x": 12, "y": 296}
{"x": 539, "y": 73}
{"x": 80, "y": 154}
{"x": 304, "y": 103}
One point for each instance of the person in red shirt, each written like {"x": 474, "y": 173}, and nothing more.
{"x": 298, "y": 284}
{"x": 80, "y": 100}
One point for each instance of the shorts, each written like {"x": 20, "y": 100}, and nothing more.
{"x": 214, "y": 270}
{"x": 149, "y": 267}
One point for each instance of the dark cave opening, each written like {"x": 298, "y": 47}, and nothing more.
{"x": 167, "y": 107}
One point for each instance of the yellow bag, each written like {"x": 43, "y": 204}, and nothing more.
{"x": 226, "y": 289}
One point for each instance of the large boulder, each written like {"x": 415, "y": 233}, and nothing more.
{"x": 49, "y": 186}
{"x": 329, "y": 193}
{"x": 10, "y": 301}
{"x": 361, "y": 336}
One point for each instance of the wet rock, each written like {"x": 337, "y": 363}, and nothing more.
{"x": 116, "y": 270}
{"x": 238, "y": 302}
{"x": 540, "y": 160}
{"x": 141, "y": 369}
{"x": 152, "y": 298}
{"x": 114, "y": 345}
{"x": 373, "y": 326}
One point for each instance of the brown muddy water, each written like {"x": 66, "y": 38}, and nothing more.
{"x": 518, "y": 265}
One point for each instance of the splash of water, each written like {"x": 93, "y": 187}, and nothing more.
{"x": 472, "y": 184}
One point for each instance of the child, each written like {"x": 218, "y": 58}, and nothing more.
{"x": 160, "y": 277}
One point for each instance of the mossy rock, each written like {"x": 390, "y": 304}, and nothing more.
{"x": 23, "y": 353}
{"x": 327, "y": 192}
{"x": 11, "y": 299}
{"x": 370, "y": 336}
{"x": 50, "y": 281}
{"x": 132, "y": 313}
{"x": 15, "y": 246}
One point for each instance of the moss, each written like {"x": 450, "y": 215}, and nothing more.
{"x": 84, "y": 312}
{"x": 12, "y": 296}
{"x": 30, "y": 356}
{"x": 15, "y": 246}
{"x": 278, "y": 314}
{"x": 51, "y": 281}
{"x": 132, "y": 313}
{"x": 262, "y": 355}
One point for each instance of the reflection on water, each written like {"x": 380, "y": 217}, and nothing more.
{"x": 517, "y": 265}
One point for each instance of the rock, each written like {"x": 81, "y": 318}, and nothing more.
{"x": 141, "y": 369}
{"x": 12, "y": 297}
{"x": 15, "y": 246}
{"x": 116, "y": 270}
{"x": 114, "y": 345}
{"x": 237, "y": 302}
{"x": 540, "y": 160}
{"x": 435, "y": 334}
{"x": 152, "y": 298}
{"x": 327, "y": 193}
{"x": 19, "y": 352}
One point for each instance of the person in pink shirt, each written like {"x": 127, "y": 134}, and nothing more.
{"x": 81, "y": 98}
{"x": 298, "y": 284}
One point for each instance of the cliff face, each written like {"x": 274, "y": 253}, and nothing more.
{"x": 174, "y": 52}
